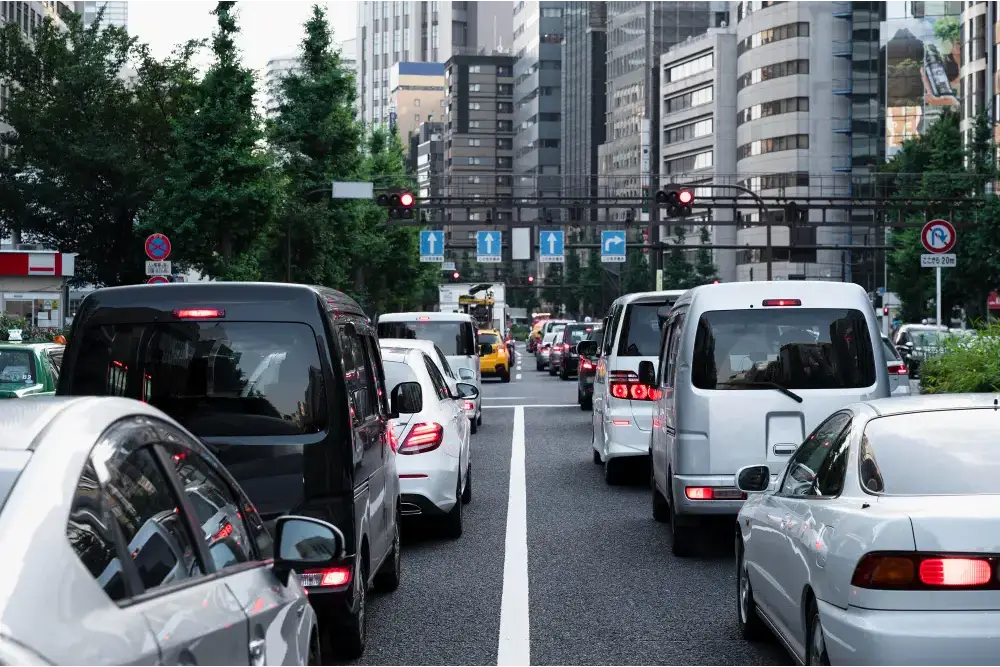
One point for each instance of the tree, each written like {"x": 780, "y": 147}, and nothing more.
{"x": 635, "y": 276}
{"x": 677, "y": 270}
{"x": 593, "y": 282}
{"x": 704, "y": 267}
{"x": 573, "y": 278}
{"x": 89, "y": 147}
{"x": 221, "y": 192}
{"x": 318, "y": 141}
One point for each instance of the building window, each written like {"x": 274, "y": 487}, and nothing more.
{"x": 748, "y": 7}
{"x": 789, "y": 142}
{"x": 473, "y": 179}
{"x": 796, "y": 179}
{"x": 475, "y": 69}
{"x": 475, "y": 106}
{"x": 777, "y": 107}
{"x": 775, "y": 34}
{"x": 691, "y": 67}
{"x": 505, "y": 107}
{"x": 772, "y": 71}
{"x": 475, "y": 87}
{"x": 416, "y": 118}
{"x": 699, "y": 128}
{"x": 474, "y": 124}
{"x": 473, "y": 141}
{"x": 688, "y": 100}
{"x": 416, "y": 102}
{"x": 689, "y": 163}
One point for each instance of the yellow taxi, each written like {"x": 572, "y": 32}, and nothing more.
{"x": 493, "y": 358}
{"x": 536, "y": 334}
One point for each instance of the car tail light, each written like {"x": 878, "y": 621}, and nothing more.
{"x": 468, "y": 405}
{"x": 625, "y": 385}
{"x": 424, "y": 318}
{"x": 902, "y": 370}
{"x": 782, "y": 302}
{"x": 915, "y": 571}
{"x": 585, "y": 365}
{"x": 565, "y": 347}
{"x": 423, "y": 438}
{"x": 393, "y": 440}
{"x": 225, "y": 530}
{"x": 698, "y": 492}
{"x": 198, "y": 313}
{"x": 332, "y": 577}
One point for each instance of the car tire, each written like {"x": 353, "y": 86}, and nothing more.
{"x": 479, "y": 419}
{"x": 661, "y": 511}
{"x": 751, "y": 626}
{"x": 816, "y": 647}
{"x": 588, "y": 403}
{"x": 474, "y": 423}
{"x": 349, "y": 642}
{"x": 388, "y": 577}
{"x": 467, "y": 491}
{"x": 453, "y": 520}
{"x": 597, "y": 458}
{"x": 552, "y": 370}
{"x": 539, "y": 367}
{"x": 563, "y": 374}
{"x": 682, "y": 538}
{"x": 505, "y": 377}
{"x": 315, "y": 653}
{"x": 612, "y": 471}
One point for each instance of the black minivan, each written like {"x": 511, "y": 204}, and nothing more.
{"x": 285, "y": 384}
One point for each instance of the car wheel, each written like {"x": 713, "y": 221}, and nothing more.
{"x": 467, "y": 493}
{"x": 750, "y": 624}
{"x": 661, "y": 511}
{"x": 479, "y": 419}
{"x": 349, "y": 642}
{"x": 506, "y": 376}
{"x": 588, "y": 403}
{"x": 539, "y": 367}
{"x": 387, "y": 579}
{"x": 552, "y": 370}
{"x": 612, "y": 471}
{"x": 682, "y": 537}
{"x": 453, "y": 520}
{"x": 597, "y": 457}
{"x": 563, "y": 375}
{"x": 474, "y": 422}
{"x": 816, "y": 651}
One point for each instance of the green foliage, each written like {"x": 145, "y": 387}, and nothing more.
{"x": 635, "y": 277}
{"x": 704, "y": 267}
{"x": 220, "y": 192}
{"x": 29, "y": 332}
{"x": 89, "y": 148}
{"x": 678, "y": 273}
{"x": 573, "y": 278}
{"x": 948, "y": 30}
{"x": 967, "y": 364}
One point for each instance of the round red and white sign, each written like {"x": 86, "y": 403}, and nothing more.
{"x": 938, "y": 236}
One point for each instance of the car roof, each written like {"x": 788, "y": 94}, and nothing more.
{"x": 429, "y": 316}
{"x": 409, "y": 344}
{"x": 651, "y": 296}
{"x": 489, "y": 331}
{"x": 399, "y": 354}
{"x": 743, "y": 295}
{"x": 930, "y": 402}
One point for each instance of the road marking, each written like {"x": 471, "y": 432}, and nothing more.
{"x": 508, "y": 407}
{"x": 515, "y": 647}
{"x": 518, "y": 376}
{"x": 505, "y": 398}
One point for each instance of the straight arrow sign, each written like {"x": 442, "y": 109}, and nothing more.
{"x": 552, "y": 243}
{"x": 489, "y": 244}
{"x": 432, "y": 241}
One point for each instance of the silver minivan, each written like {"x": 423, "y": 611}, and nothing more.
{"x": 745, "y": 371}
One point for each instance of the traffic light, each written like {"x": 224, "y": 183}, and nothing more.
{"x": 531, "y": 280}
{"x": 399, "y": 202}
{"x": 455, "y": 276}
{"x": 885, "y": 310}
{"x": 677, "y": 199}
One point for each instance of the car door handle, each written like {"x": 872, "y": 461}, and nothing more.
{"x": 257, "y": 654}
{"x": 783, "y": 450}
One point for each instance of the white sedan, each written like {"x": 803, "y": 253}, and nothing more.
{"x": 880, "y": 542}
{"x": 431, "y": 436}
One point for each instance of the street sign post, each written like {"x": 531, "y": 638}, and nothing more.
{"x": 159, "y": 268}
{"x": 489, "y": 247}
{"x": 613, "y": 246}
{"x": 157, "y": 279}
{"x": 938, "y": 237}
{"x": 431, "y": 246}
{"x": 939, "y": 261}
{"x": 550, "y": 248}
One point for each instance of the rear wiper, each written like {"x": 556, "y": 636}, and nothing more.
{"x": 763, "y": 383}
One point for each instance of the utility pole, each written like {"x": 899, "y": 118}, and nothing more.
{"x": 650, "y": 179}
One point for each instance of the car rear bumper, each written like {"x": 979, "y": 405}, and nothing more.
{"x": 622, "y": 437}
{"x": 498, "y": 368}
{"x": 685, "y": 505}
{"x": 436, "y": 488}
{"x": 857, "y": 636}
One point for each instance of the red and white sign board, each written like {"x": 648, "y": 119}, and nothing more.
{"x": 37, "y": 263}
{"x": 993, "y": 301}
{"x": 938, "y": 236}
{"x": 157, "y": 279}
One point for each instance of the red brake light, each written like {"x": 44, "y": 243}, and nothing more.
{"x": 468, "y": 405}
{"x": 619, "y": 390}
{"x": 423, "y": 438}
{"x": 782, "y": 302}
{"x": 393, "y": 440}
{"x": 424, "y": 318}
{"x": 625, "y": 385}
{"x": 699, "y": 492}
{"x": 639, "y": 392}
{"x": 331, "y": 577}
{"x": 915, "y": 571}
{"x": 586, "y": 365}
{"x": 198, "y": 313}
{"x": 225, "y": 531}
{"x": 901, "y": 370}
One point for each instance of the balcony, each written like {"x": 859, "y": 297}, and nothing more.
{"x": 843, "y": 10}
{"x": 842, "y": 86}
{"x": 842, "y": 126}
{"x": 843, "y": 49}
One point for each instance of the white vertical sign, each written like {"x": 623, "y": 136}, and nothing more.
{"x": 520, "y": 243}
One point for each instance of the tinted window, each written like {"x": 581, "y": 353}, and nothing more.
{"x": 807, "y": 461}
{"x": 17, "y": 367}
{"x": 89, "y": 533}
{"x": 440, "y": 386}
{"x": 798, "y": 348}
{"x": 489, "y": 339}
{"x": 932, "y": 453}
{"x": 672, "y": 347}
{"x": 597, "y": 333}
{"x": 889, "y": 351}
{"x": 361, "y": 380}
{"x": 216, "y": 378}
{"x": 454, "y": 338}
{"x": 56, "y": 357}
{"x": 575, "y": 334}
{"x": 444, "y": 363}
{"x": 641, "y": 333}
{"x": 397, "y": 373}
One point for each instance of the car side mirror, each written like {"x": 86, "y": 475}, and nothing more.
{"x": 406, "y": 398}
{"x": 587, "y": 348}
{"x": 466, "y": 374}
{"x": 753, "y": 479}
{"x": 305, "y": 543}
{"x": 647, "y": 373}
{"x": 466, "y": 390}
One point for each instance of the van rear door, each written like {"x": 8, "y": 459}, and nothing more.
{"x": 639, "y": 341}
{"x": 754, "y": 364}
{"x": 456, "y": 338}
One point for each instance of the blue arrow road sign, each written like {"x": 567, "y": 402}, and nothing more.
{"x": 613, "y": 245}
{"x": 432, "y": 246}
{"x": 489, "y": 247}
{"x": 550, "y": 246}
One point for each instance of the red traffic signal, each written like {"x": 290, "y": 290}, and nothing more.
{"x": 406, "y": 199}
{"x": 715, "y": 282}
{"x": 685, "y": 197}
{"x": 885, "y": 310}
{"x": 531, "y": 279}
{"x": 677, "y": 199}
{"x": 399, "y": 202}
{"x": 455, "y": 276}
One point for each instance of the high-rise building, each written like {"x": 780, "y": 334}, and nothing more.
{"x": 583, "y": 82}
{"x": 978, "y": 80}
{"x": 412, "y": 31}
{"x": 698, "y": 122}
{"x": 115, "y": 12}
{"x": 538, "y": 36}
{"x": 638, "y": 34}
{"x": 349, "y": 55}
{"x": 416, "y": 94}
{"x": 277, "y": 69}
{"x": 427, "y": 161}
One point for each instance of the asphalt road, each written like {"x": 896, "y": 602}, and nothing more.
{"x": 597, "y": 584}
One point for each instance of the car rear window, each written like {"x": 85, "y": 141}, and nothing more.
{"x": 456, "y": 339}
{"x": 17, "y": 367}
{"x": 215, "y": 378}
{"x": 641, "y": 330}
{"x": 575, "y": 333}
{"x": 890, "y": 352}
{"x": 489, "y": 339}
{"x": 941, "y": 452}
{"x": 396, "y": 372}
{"x": 798, "y": 348}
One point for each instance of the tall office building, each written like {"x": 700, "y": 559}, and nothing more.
{"x": 538, "y": 36}
{"x": 412, "y": 31}
{"x": 584, "y": 76}
{"x": 978, "y": 74}
{"x": 349, "y": 54}
{"x": 115, "y": 12}
{"x": 416, "y": 94}
{"x": 277, "y": 69}
{"x": 638, "y": 34}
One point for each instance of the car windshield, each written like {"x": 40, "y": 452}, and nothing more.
{"x": 17, "y": 367}
{"x": 215, "y": 378}
{"x": 576, "y": 333}
{"x": 797, "y": 348}
{"x": 397, "y": 372}
{"x": 641, "y": 334}
{"x": 943, "y": 452}
{"x": 456, "y": 338}
{"x": 489, "y": 339}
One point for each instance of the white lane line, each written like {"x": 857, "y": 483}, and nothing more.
{"x": 515, "y": 647}
{"x": 518, "y": 376}
{"x": 508, "y": 407}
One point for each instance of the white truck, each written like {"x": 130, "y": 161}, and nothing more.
{"x": 477, "y": 297}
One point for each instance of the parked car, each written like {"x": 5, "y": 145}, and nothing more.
{"x": 284, "y": 383}
{"x": 111, "y": 549}
{"x": 29, "y": 368}
{"x": 588, "y": 352}
{"x": 884, "y": 524}
{"x": 432, "y": 438}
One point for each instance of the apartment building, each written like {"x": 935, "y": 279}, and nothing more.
{"x": 978, "y": 66}
{"x": 416, "y": 95}
{"x": 115, "y": 12}
{"x": 698, "y": 132}
{"x": 427, "y": 160}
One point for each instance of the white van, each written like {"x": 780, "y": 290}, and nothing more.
{"x": 623, "y": 409}
{"x": 454, "y": 333}
{"x": 745, "y": 372}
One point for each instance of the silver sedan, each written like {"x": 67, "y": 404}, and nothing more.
{"x": 126, "y": 542}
